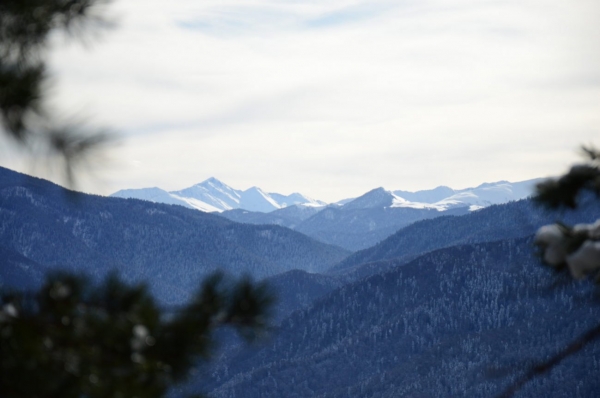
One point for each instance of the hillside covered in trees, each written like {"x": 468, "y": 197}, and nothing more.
{"x": 45, "y": 227}
{"x": 463, "y": 313}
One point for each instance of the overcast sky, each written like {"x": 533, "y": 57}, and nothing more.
{"x": 333, "y": 98}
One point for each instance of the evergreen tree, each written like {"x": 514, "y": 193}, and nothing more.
{"x": 76, "y": 339}
{"x": 25, "y": 28}
{"x": 574, "y": 249}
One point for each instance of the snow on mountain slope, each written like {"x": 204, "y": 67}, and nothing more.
{"x": 296, "y": 199}
{"x": 490, "y": 194}
{"x": 443, "y": 198}
{"x": 401, "y": 202}
{"x": 197, "y": 204}
{"x": 426, "y": 196}
{"x": 380, "y": 198}
{"x": 377, "y": 197}
{"x": 213, "y": 195}
{"x": 254, "y": 199}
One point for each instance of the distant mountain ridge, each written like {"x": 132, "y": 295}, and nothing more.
{"x": 353, "y": 224}
{"x": 443, "y": 198}
{"x": 364, "y": 221}
{"x": 497, "y": 222}
{"x": 213, "y": 195}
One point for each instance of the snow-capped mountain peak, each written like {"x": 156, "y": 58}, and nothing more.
{"x": 254, "y": 199}
{"x": 443, "y": 198}
{"x": 212, "y": 182}
{"x": 488, "y": 194}
{"x": 213, "y": 195}
{"x": 377, "y": 197}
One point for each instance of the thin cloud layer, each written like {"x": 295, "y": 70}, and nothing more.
{"x": 332, "y": 98}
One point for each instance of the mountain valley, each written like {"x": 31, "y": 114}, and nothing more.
{"x": 431, "y": 302}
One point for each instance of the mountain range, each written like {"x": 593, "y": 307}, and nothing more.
{"x": 451, "y": 306}
{"x": 454, "y": 304}
{"x": 353, "y": 224}
{"x": 364, "y": 221}
{"x": 214, "y": 196}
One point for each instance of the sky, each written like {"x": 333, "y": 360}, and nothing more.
{"x": 332, "y": 98}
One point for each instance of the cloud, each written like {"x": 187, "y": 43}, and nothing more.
{"x": 333, "y": 98}
{"x": 346, "y": 15}
{"x": 232, "y": 20}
